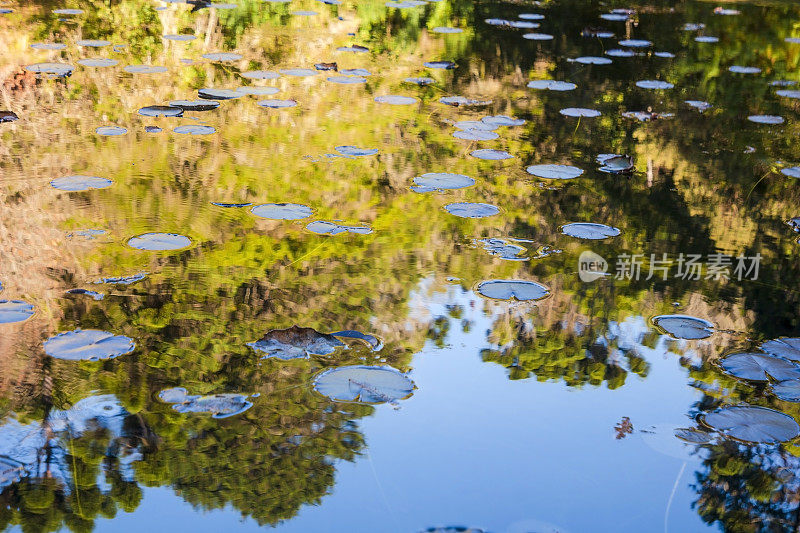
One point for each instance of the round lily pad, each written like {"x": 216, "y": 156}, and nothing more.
{"x": 436, "y": 181}
{"x": 366, "y": 384}
{"x": 111, "y": 131}
{"x": 98, "y": 62}
{"x": 580, "y": 112}
{"x": 491, "y": 154}
{"x": 195, "y": 129}
{"x": 788, "y": 348}
{"x": 684, "y": 327}
{"x": 551, "y": 85}
{"x": 654, "y": 84}
{"x": 759, "y": 367}
{"x": 513, "y": 289}
{"x": 52, "y": 69}
{"x": 15, "y": 311}
{"x": 88, "y": 345}
{"x": 223, "y": 56}
{"x": 355, "y": 151}
{"x": 554, "y": 172}
{"x": 159, "y": 241}
{"x": 395, "y": 99}
{"x": 766, "y": 119}
{"x": 80, "y": 183}
{"x": 161, "y": 111}
{"x": 144, "y": 69}
{"x": 261, "y": 75}
{"x": 282, "y": 211}
{"x": 589, "y": 230}
{"x": 752, "y": 424}
{"x": 471, "y": 209}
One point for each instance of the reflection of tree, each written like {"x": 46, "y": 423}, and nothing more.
{"x": 749, "y": 488}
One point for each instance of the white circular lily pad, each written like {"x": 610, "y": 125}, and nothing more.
{"x": 513, "y": 289}
{"x": 88, "y": 345}
{"x": 159, "y": 241}
{"x": 592, "y": 60}
{"x": 366, "y": 384}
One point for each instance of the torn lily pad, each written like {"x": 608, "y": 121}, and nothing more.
{"x": 88, "y": 345}
{"x": 684, "y": 326}
{"x": 221, "y": 405}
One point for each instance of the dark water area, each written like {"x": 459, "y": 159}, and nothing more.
{"x": 509, "y": 267}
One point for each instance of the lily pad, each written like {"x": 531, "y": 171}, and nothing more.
{"x": 298, "y": 72}
{"x": 97, "y": 62}
{"x": 752, "y": 424}
{"x": 347, "y": 80}
{"x": 502, "y": 120}
{"x": 111, "y": 131}
{"x": 580, "y": 112}
{"x": 296, "y": 343}
{"x": 355, "y": 72}
{"x": 395, "y": 99}
{"x": 144, "y": 69}
{"x": 195, "y": 105}
{"x": 700, "y": 105}
{"x": 445, "y": 29}
{"x": 635, "y": 43}
{"x": 159, "y": 241}
{"x": 513, "y": 289}
{"x": 788, "y": 348}
{"x": 365, "y": 384}
{"x": 438, "y": 181}
{"x": 274, "y": 103}
{"x": 592, "y": 60}
{"x": 68, "y": 11}
{"x": 58, "y": 70}
{"x": 744, "y": 70}
{"x": 706, "y": 39}
{"x": 440, "y": 65}
{"x": 792, "y": 172}
{"x": 476, "y": 135}
{"x": 654, "y": 84}
{"x": 88, "y": 345}
{"x": 538, "y": 36}
{"x": 788, "y": 93}
{"x": 94, "y": 294}
{"x": 759, "y": 367}
{"x": 223, "y": 56}
{"x": 218, "y": 405}
{"x": 48, "y": 46}
{"x": 180, "y": 37}
{"x": 589, "y": 230}
{"x": 123, "y": 280}
{"x": 195, "y": 129}
{"x": 619, "y": 52}
{"x": 788, "y": 391}
{"x": 463, "y": 101}
{"x": 356, "y": 48}
{"x": 615, "y": 163}
{"x": 210, "y": 93}
{"x": 471, "y": 209}
{"x": 551, "y": 85}
{"x": 355, "y": 151}
{"x": 253, "y": 90}
{"x": 93, "y": 43}
{"x": 674, "y": 441}
{"x": 260, "y": 75}
{"x": 322, "y": 227}
{"x": 79, "y": 183}
{"x": 491, "y": 154}
{"x": 504, "y": 249}
{"x": 420, "y": 81}
{"x": 12, "y": 311}
{"x": 684, "y": 327}
{"x": 282, "y": 211}
{"x": 161, "y": 111}
{"x": 766, "y": 119}
{"x": 554, "y": 172}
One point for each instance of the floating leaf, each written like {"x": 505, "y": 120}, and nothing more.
{"x": 580, "y": 112}
{"x": 53, "y": 69}
{"x": 258, "y": 91}
{"x": 123, "y": 280}
{"x": 274, "y": 103}
{"x": 706, "y": 39}
{"x": 218, "y": 405}
{"x": 589, "y": 230}
{"x": 437, "y": 181}
{"x": 788, "y": 391}
{"x": 347, "y": 80}
{"x": 551, "y": 85}
{"x": 210, "y": 93}
{"x": 516, "y": 289}
{"x": 159, "y": 241}
{"x": 179, "y": 37}
{"x": 635, "y": 43}
{"x": 788, "y": 348}
{"x": 538, "y": 37}
{"x": 195, "y": 105}
{"x": 367, "y": 384}
{"x": 96, "y": 295}
{"x": 700, "y": 105}
{"x": 684, "y": 327}
{"x": 355, "y": 151}
{"x": 144, "y": 69}
{"x": 752, "y": 424}
{"x": 476, "y": 135}
{"x": 261, "y": 75}
{"x": 111, "y": 131}
{"x": 97, "y": 62}
{"x": 491, "y": 154}
{"x": 282, "y": 211}
{"x": 295, "y": 343}
{"x": 88, "y": 344}
{"x": 744, "y": 70}
{"x": 322, "y": 227}
{"x": 502, "y": 120}
{"x": 591, "y": 60}
{"x": 759, "y": 367}
{"x": 443, "y": 29}
{"x": 93, "y": 43}
{"x": 420, "y": 81}
{"x": 15, "y": 311}
{"x": 48, "y": 46}
{"x": 298, "y": 72}
{"x": 395, "y": 99}
{"x": 79, "y": 183}
{"x": 766, "y": 119}
{"x": 654, "y": 84}
{"x": 615, "y": 163}
{"x": 471, "y": 210}
{"x": 195, "y": 129}
{"x": 161, "y": 111}
{"x": 554, "y": 172}
{"x": 222, "y": 56}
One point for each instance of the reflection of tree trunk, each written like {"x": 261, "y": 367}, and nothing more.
{"x": 650, "y": 172}
{"x": 210, "y": 27}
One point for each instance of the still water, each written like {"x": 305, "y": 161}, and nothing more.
{"x": 399, "y": 267}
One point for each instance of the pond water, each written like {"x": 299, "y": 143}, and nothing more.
{"x": 477, "y": 266}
